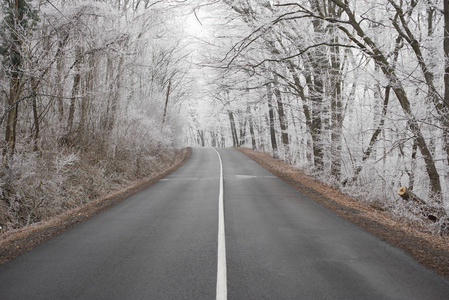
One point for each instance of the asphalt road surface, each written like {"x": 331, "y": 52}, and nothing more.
{"x": 162, "y": 244}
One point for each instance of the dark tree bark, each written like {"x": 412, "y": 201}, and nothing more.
{"x": 283, "y": 122}
{"x": 235, "y": 139}
{"x": 251, "y": 129}
{"x": 271, "y": 121}
{"x": 446, "y": 73}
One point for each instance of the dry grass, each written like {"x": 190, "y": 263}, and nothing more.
{"x": 430, "y": 250}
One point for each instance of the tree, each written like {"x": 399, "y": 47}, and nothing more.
{"x": 91, "y": 79}
{"x": 19, "y": 20}
{"x": 357, "y": 89}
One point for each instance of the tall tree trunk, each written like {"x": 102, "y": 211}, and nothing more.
{"x": 282, "y": 117}
{"x": 274, "y": 145}
{"x": 59, "y": 84}
{"x": 446, "y": 53}
{"x": 75, "y": 90}
{"x": 116, "y": 96}
{"x": 316, "y": 88}
{"x": 251, "y": 128}
{"x": 15, "y": 86}
{"x": 235, "y": 139}
{"x": 213, "y": 136}
{"x": 411, "y": 183}
{"x": 242, "y": 138}
{"x": 446, "y": 74}
{"x": 336, "y": 109}
{"x": 11, "y": 120}
{"x": 318, "y": 62}
{"x": 201, "y": 138}
{"x": 166, "y": 102}
{"x": 283, "y": 122}
{"x": 36, "y": 126}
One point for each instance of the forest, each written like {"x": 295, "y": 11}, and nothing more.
{"x": 354, "y": 93}
{"x": 91, "y": 97}
{"x": 98, "y": 93}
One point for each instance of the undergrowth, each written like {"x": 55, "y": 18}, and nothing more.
{"x": 36, "y": 186}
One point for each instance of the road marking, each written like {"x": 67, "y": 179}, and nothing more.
{"x": 253, "y": 177}
{"x": 187, "y": 179}
{"x": 222, "y": 293}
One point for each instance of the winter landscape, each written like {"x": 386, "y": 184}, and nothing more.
{"x": 127, "y": 110}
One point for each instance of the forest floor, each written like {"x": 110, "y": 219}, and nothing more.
{"x": 16, "y": 242}
{"x": 430, "y": 250}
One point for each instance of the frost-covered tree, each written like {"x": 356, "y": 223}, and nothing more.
{"x": 352, "y": 92}
{"x": 18, "y": 21}
{"x": 100, "y": 86}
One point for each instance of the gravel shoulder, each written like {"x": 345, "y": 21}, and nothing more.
{"x": 14, "y": 243}
{"x": 430, "y": 250}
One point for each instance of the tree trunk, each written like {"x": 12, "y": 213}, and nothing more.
{"x": 316, "y": 93}
{"x": 336, "y": 83}
{"x": 251, "y": 128}
{"x": 213, "y": 136}
{"x": 235, "y": 139}
{"x": 75, "y": 91}
{"x": 201, "y": 138}
{"x": 15, "y": 86}
{"x": 60, "y": 75}
{"x": 274, "y": 145}
{"x": 35, "y": 125}
{"x": 11, "y": 120}
{"x": 283, "y": 123}
{"x": 166, "y": 101}
{"x": 446, "y": 73}
{"x": 114, "y": 101}
{"x": 411, "y": 180}
{"x": 60, "y": 88}
{"x": 446, "y": 53}
{"x": 242, "y": 138}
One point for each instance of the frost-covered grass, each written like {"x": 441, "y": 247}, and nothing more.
{"x": 37, "y": 186}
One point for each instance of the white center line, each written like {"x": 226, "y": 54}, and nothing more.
{"x": 222, "y": 293}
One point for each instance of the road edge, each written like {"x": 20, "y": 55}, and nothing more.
{"x": 27, "y": 238}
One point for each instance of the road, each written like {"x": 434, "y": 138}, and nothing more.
{"x": 162, "y": 244}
